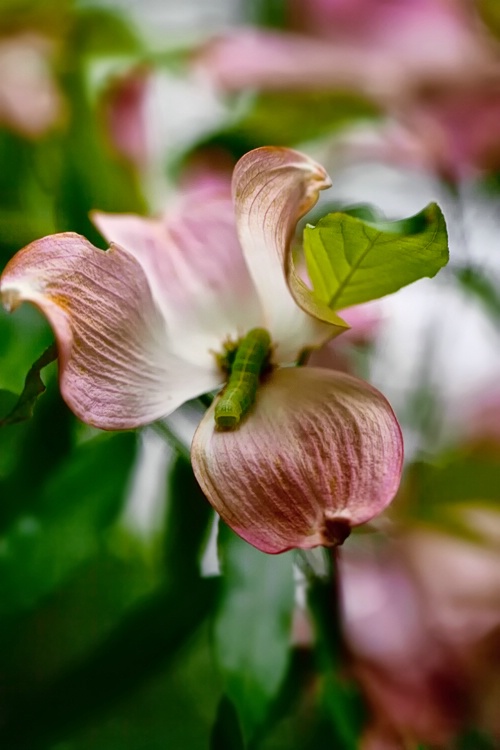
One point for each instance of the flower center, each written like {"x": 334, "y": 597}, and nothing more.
{"x": 250, "y": 361}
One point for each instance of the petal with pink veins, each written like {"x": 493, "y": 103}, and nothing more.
{"x": 273, "y": 188}
{"x": 194, "y": 264}
{"x": 319, "y": 452}
{"x": 116, "y": 368}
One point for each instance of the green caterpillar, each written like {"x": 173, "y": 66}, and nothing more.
{"x": 240, "y": 391}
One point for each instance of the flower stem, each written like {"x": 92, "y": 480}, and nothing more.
{"x": 340, "y": 697}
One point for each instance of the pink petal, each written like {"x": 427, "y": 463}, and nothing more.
{"x": 116, "y": 370}
{"x": 194, "y": 264}
{"x": 380, "y": 49}
{"x": 283, "y": 61}
{"x": 124, "y": 105}
{"x": 319, "y": 452}
{"x": 30, "y": 101}
{"x": 417, "y": 34}
{"x": 273, "y": 188}
{"x": 458, "y": 130}
{"x": 208, "y": 169}
{"x": 417, "y": 611}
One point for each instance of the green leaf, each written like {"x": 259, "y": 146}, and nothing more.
{"x": 481, "y": 286}
{"x": 33, "y": 388}
{"x": 252, "y": 626}
{"x": 436, "y": 492}
{"x": 186, "y": 525}
{"x": 33, "y": 451}
{"x": 270, "y": 13}
{"x": 290, "y": 117}
{"x": 145, "y": 641}
{"x": 7, "y": 401}
{"x": 226, "y": 731}
{"x": 22, "y": 337}
{"x": 352, "y": 261}
{"x": 9, "y": 439}
{"x": 475, "y": 739}
{"x": 287, "y": 118}
{"x": 489, "y": 10}
{"x": 41, "y": 550}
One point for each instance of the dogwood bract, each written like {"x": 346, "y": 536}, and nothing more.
{"x": 144, "y": 326}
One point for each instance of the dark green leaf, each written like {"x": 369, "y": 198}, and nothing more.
{"x": 136, "y": 650}
{"x": 252, "y": 626}
{"x": 481, "y": 286}
{"x": 32, "y": 452}
{"x": 226, "y": 732}
{"x": 7, "y": 401}
{"x": 475, "y": 739}
{"x": 40, "y": 550}
{"x": 288, "y": 118}
{"x": 341, "y": 700}
{"x": 437, "y": 490}
{"x": 33, "y": 388}
{"x": 187, "y": 523}
{"x": 352, "y": 261}
{"x": 9, "y": 439}
{"x": 270, "y": 13}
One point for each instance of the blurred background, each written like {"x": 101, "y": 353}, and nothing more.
{"x": 117, "y": 627}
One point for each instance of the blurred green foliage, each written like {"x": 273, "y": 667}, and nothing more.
{"x": 110, "y": 639}
{"x": 252, "y": 627}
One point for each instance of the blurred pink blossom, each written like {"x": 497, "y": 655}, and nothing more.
{"x": 381, "y": 48}
{"x": 451, "y": 131}
{"x": 429, "y": 64}
{"x": 124, "y": 106}
{"x": 421, "y": 616}
{"x": 30, "y": 100}
{"x": 482, "y": 419}
{"x": 365, "y": 321}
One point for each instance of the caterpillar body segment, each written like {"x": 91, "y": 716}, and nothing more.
{"x": 239, "y": 394}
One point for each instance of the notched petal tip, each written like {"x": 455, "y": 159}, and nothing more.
{"x": 320, "y": 453}
{"x": 115, "y": 368}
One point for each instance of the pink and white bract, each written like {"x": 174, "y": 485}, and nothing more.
{"x": 139, "y": 326}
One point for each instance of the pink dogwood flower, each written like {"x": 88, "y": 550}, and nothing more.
{"x": 141, "y": 328}
{"x": 30, "y": 101}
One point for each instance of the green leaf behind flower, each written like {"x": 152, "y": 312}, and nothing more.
{"x": 285, "y": 117}
{"x": 40, "y": 550}
{"x": 252, "y": 627}
{"x": 33, "y": 388}
{"x": 351, "y": 261}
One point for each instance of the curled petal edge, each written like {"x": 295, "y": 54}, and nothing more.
{"x": 115, "y": 367}
{"x": 273, "y": 188}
